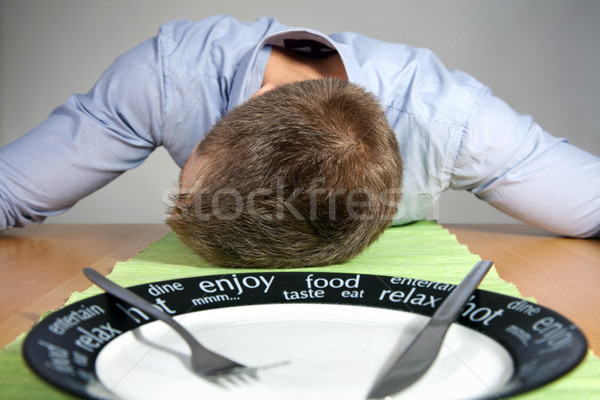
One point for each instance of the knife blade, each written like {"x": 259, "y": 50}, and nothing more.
{"x": 407, "y": 365}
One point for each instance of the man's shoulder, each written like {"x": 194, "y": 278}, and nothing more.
{"x": 221, "y": 29}
{"x": 414, "y": 80}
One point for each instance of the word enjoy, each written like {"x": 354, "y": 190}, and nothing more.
{"x": 234, "y": 283}
{"x": 553, "y": 334}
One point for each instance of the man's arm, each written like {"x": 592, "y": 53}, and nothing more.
{"x": 85, "y": 143}
{"x": 508, "y": 160}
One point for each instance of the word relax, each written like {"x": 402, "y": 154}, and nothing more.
{"x": 92, "y": 339}
{"x": 476, "y": 314}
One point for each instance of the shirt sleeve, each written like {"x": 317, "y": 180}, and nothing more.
{"x": 85, "y": 143}
{"x": 510, "y": 162}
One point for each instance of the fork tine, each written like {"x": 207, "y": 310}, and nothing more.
{"x": 229, "y": 380}
{"x": 249, "y": 374}
{"x": 238, "y": 377}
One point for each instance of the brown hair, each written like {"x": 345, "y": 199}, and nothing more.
{"x": 306, "y": 174}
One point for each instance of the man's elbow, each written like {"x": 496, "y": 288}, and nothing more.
{"x": 584, "y": 230}
{"x": 13, "y": 216}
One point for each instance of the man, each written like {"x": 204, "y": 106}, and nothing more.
{"x": 171, "y": 90}
{"x": 311, "y": 181}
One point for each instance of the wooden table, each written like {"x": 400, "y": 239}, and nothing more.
{"x": 40, "y": 267}
{"x": 560, "y": 273}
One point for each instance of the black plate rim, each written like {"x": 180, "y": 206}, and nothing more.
{"x": 516, "y": 384}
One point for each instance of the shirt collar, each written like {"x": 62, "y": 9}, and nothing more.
{"x": 248, "y": 78}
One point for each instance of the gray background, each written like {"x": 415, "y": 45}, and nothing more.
{"x": 540, "y": 56}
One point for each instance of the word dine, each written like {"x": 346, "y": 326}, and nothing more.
{"x": 156, "y": 289}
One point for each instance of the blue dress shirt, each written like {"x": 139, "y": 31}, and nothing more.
{"x": 170, "y": 90}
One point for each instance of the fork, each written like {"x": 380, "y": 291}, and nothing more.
{"x": 407, "y": 367}
{"x": 204, "y": 362}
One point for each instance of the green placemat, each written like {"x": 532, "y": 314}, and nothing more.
{"x": 422, "y": 250}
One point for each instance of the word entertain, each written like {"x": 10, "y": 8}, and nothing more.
{"x": 446, "y": 287}
{"x": 74, "y": 318}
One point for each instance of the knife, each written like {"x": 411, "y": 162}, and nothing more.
{"x": 403, "y": 369}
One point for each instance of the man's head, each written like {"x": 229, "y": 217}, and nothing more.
{"x": 306, "y": 174}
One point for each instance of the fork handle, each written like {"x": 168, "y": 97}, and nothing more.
{"x": 131, "y": 298}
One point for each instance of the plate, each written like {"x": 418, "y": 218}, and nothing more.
{"x": 314, "y": 335}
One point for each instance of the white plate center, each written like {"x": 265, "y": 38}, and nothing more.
{"x": 329, "y": 352}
